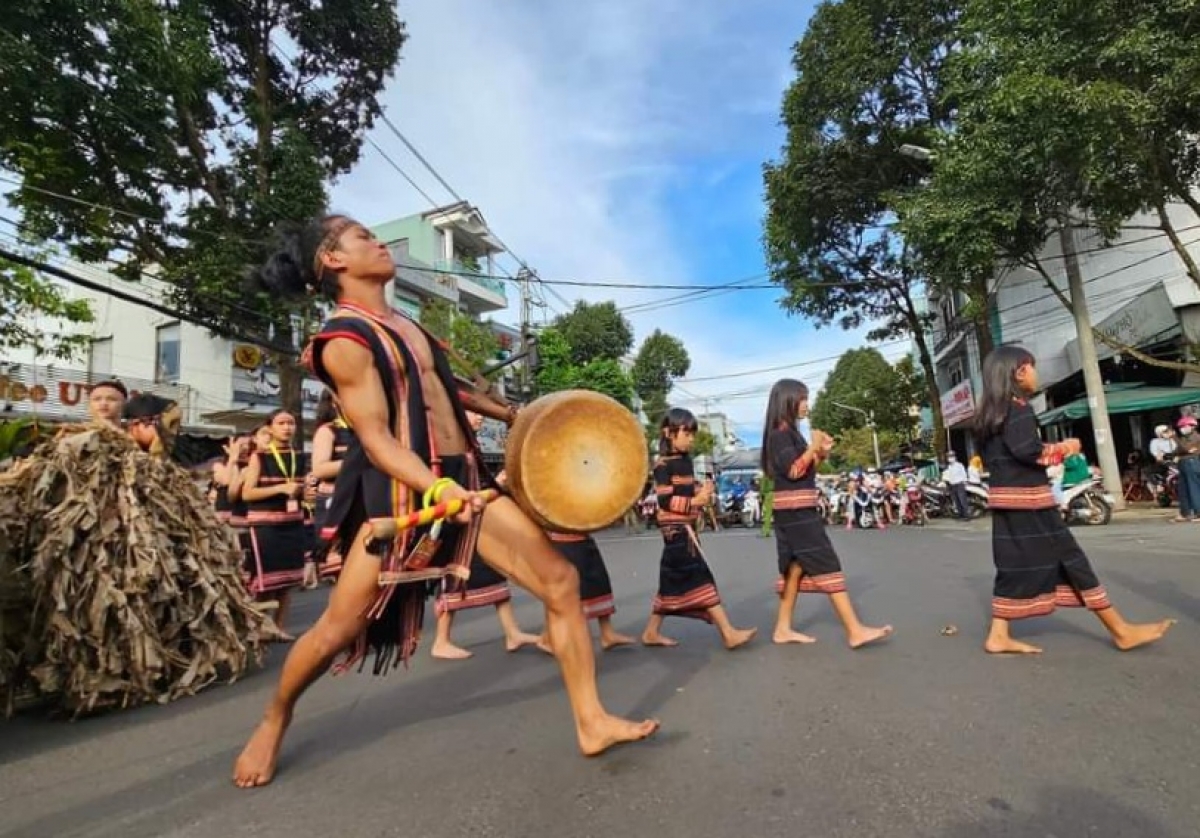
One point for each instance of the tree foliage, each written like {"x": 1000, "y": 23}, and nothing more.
{"x": 661, "y": 359}
{"x": 184, "y": 132}
{"x": 863, "y": 379}
{"x": 557, "y": 370}
{"x": 474, "y": 341}
{"x": 869, "y": 80}
{"x": 27, "y": 300}
{"x": 703, "y": 445}
{"x": 595, "y": 331}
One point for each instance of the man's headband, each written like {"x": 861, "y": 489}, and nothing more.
{"x": 331, "y": 238}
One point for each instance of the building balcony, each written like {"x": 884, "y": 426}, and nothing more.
{"x": 477, "y": 291}
{"x": 426, "y": 281}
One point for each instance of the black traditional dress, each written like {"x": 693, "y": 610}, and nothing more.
{"x": 411, "y": 562}
{"x": 279, "y": 539}
{"x": 1039, "y": 566}
{"x": 595, "y": 588}
{"x": 686, "y": 587}
{"x": 800, "y": 534}
{"x": 330, "y": 560}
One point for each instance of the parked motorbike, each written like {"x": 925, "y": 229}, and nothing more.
{"x": 938, "y": 503}
{"x": 751, "y": 509}
{"x": 648, "y": 510}
{"x": 1165, "y": 486}
{"x": 863, "y": 509}
{"x": 914, "y": 507}
{"x": 1087, "y": 503}
{"x": 977, "y": 499}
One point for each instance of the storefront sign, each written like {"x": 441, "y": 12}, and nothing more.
{"x": 62, "y": 395}
{"x": 958, "y": 404}
{"x": 1147, "y": 319}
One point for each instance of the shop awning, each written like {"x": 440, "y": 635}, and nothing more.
{"x": 1126, "y": 398}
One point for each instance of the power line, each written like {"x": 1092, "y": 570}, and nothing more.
{"x": 794, "y": 365}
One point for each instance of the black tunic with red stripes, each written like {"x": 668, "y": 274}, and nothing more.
{"x": 1039, "y": 565}
{"x": 686, "y": 587}
{"x": 278, "y": 538}
{"x": 800, "y": 536}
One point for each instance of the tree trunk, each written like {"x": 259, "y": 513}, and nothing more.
{"x": 931, "y": 388}
{"x": 983, "y": 321}
{"x": 291, "y": 391}
{"x": 1180, "y": 248}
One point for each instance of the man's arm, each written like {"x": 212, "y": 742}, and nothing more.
{"x": 476, "y": 402}
{"x": 360, "y": 391}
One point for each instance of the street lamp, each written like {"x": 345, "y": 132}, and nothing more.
{"x": 870, "y": 417}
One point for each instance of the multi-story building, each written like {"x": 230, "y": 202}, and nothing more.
{"x": 724, "y": 435}
{"x": 1138, "y": 292}
{"x": 224, "y": 385}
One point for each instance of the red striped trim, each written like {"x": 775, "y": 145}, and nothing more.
{"x": 826, "y": 583}
{"x": 666, "y": 518}
{"x": 698, "y": 599}
{"x": 565, "y": 537}
{"x": 1021, "y": 497}
{"x": 797, "y": 499}
{"x": 802, "y": 465}
{"x": 1064, "y": 596}
{"x": 224, "y": 516}
{"x": 601, "y": 606}
{"x": 463, "y": 600}
{"x": 276, "y": 581}
{"x": 354, "y": 336}
{"x": 1054, "y": 453}
{"x": 262, "y": 517}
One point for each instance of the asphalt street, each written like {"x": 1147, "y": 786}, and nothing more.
{"x": 923, "y": 736}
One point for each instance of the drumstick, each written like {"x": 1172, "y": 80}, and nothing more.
{"x": 446, "y": 509}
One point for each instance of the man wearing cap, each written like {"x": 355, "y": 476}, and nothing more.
{"x": 956, "y": 479}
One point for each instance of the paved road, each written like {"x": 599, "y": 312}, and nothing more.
{"x": 926, "y": 736}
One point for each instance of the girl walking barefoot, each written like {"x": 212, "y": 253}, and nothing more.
{"x": 1039, "y": 566}
{"x": 807, "y": 560}
{"x": 686, "y": 587}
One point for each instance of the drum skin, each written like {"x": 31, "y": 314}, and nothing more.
{"x": 576, "y": 460}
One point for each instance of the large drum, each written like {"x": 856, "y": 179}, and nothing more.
{"x": 576, "y": 460}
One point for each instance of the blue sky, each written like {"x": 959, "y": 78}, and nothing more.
{"x": 619, "y": 141}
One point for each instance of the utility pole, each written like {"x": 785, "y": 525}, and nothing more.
{"x": 525, "y": 276}
{"x": 1106, "y": 452}
{"x": 870, "y": 417}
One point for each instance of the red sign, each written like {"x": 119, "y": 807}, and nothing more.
{"x": 958, "y": 404}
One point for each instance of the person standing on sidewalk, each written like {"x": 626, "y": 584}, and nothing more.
{"x": 956, "y": 479}
{"x": 1187, "y": 457}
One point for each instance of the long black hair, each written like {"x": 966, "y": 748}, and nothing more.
{"x": 999, "y": 388}
{"x": 326, "y": 408}
{"x": 783, "y": 409}
{"x": 676, "y": 420}
{"x": 294, "y": 268}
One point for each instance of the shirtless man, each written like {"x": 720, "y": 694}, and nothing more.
{"x": 342, "y": 259}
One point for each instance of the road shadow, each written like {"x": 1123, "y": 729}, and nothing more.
{"x": 1164, "y": 592}
{"x": 1062, "y": 811}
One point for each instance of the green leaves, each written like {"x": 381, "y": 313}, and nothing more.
{"x": 863, "y": 379}
{"x": 27, "y": 302}
{"x": 559, "y": 371}
{"x": 595, "y": 330}
{"x": 661, "y": 359}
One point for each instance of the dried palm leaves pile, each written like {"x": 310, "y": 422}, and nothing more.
{"x": 118, "y": 586}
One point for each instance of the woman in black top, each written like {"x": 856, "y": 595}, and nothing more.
{"x": 1039, "y": 566}
{"x": 807, "y": 560}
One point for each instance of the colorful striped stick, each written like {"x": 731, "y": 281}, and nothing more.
{"x": 446, "y": 509}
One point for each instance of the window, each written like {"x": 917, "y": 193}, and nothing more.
{"x": 954, "y": 372}
{"x": 100, "y": 359}
{"x": 166, "y": 341}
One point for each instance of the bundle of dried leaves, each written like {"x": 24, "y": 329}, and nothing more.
{"x": 118, "y": 585}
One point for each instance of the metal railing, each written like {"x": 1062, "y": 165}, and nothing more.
{"x": 472, "y": 274}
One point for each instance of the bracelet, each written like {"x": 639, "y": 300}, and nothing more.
{"x": 434, "y": 493}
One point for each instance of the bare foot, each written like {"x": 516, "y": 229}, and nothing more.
{"x": 449, "y": 652}
{"x": 657, "y": 640}
{"x": 520, "y": 640}
{"x": 1008, "y": 646}
{"x": 739, "y": 637}
{"x": 792, "y": 636}
{"x": 256, "y": 765}
{"x": 613, "y": 640}
{"x": 597, "y": 737}
{"x": 866, "y": 635}
{"x": 1141, "y": 634}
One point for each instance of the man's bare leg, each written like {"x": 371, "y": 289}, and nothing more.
{"x": 308, "y": 659}
{"x": 857, "y": 635}
{"x": 443, "y": 647}
{"x": 652, "y": 635}
{"x": 610, "y": 637}
{"x": 514, "y": 638}
{"x": 730, "y": 636}
{"x": 784, "y": 633}
{"x": 1128, "y": 635}
{"x": 517, "y": 548}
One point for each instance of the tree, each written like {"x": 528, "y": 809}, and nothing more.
{"x": 475, "y": 342}
{"x": 870, "y": 74}
{"x": 661, "y": 359}
{"x": 25, "y": 299}
{"x": 703, "y": 445}
{"x": 1096, "y": 127}
{"x": 854, "y": 448}
{"x": 183, "y": 135}
{"x": 558, "y": 371}
{"x": 863, "y": 379}
{"x": 594, "y": 331}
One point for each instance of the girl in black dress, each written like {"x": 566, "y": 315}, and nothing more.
{"x": 807, "y": 560}
{"x": 1039, "y": 566}
{"x": 686, "y": 587}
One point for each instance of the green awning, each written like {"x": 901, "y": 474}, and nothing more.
{"x": 1124, "y": 398}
